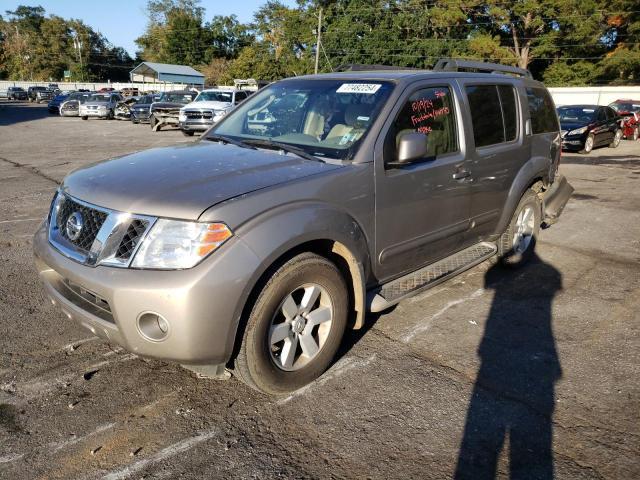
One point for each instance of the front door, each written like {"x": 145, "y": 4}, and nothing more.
{"x": 422, "y": 208}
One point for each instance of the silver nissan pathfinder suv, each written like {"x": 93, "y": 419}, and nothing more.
{"x": 315, "y": 201}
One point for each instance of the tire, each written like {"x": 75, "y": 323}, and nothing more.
{"x": 588, "y": 144}
{"x": 517, "y": 244}
{"x": 265, "y": 366}
{"x": 84, "y": 117}
{"x": 187, "y": 133}
{"x": 135, "y": 122}
{"x": 152, "y": 121}
{"x": 616, "y": 139}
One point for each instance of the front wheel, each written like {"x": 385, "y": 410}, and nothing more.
{"x": 516, "y": 246}
{"x": 84, "y": 117}
{"x": 295, "y": 326}
{"x": 616, "y": 139}
{"x": 588, "y": 144}
{"x": 153, "y": 121}
{"x": 187, "y": 133}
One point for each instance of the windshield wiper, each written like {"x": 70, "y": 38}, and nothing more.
{"x": 284, "y": 147}
{"x": 232, "y": 141}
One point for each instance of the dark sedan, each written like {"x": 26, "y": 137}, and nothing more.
{"x": 584, "y": 127}
{"x": 167, "y": 110}
{"x": 140, "y": 109}
{"x": 16, "y": 93}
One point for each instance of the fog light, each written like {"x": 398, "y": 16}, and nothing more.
{"x": 153, "y": 326}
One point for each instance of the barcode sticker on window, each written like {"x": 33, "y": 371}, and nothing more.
{"x": 367, "y": 88}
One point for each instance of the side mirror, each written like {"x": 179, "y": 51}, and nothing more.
{"x": 412, "y": 146}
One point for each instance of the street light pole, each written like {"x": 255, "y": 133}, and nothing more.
{"x": 319, "y": 39}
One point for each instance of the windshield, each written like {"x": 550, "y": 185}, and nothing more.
{"x": 177, "y": 97}
{"x": 214, "y": 97}
{"x": 577, "y": 114}
{"x": 145, "y": 100}
{"x": 325, "y": 118}
{"x": 626, "y": 107}
{"x": 99, "y": 98}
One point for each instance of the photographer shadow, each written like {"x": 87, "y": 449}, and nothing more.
{"x": 513, "y": 397}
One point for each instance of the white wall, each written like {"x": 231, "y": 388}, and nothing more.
{"x": 592, "y": 95}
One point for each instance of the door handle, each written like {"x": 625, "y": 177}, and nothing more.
{"x": 460, "y": 174}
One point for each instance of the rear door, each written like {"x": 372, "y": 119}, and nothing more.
{"x": 422, "y": 208}
{"x": 495, "y": 149}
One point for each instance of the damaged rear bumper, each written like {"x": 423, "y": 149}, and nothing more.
{"x": 555, "y": 199}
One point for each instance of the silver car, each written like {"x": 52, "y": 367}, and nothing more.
{"x": 100, "y": 105}
{"x": 71, "y": 106}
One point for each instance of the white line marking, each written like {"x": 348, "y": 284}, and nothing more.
{"x": 159, "y": 456}
{"x": 56, "y": 446}
{"x": 20, "y": 220}
{"x": 12, "y": 457}
{"x": 423, "y": 327}
{"x": 339, "y": 369}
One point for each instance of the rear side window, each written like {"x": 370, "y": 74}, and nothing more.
{"x": 542, "y": 111}
{"x": 493, "y": 113}
{"x": 429, "y": 111}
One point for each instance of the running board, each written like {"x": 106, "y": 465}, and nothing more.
{"x": 391, "y": 293}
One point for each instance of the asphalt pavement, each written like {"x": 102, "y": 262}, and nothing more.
{"x": 532, "y": 373}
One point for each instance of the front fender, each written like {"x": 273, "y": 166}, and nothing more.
{"x": 276, "y": 232}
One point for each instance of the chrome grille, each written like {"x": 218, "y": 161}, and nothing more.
{"x": 106, "y": 237}
{"x": 93, "y": 222}
{"x": 134, "y": 234}
{"x": 199, "y": 115}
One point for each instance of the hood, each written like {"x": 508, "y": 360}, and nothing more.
{"x": 565, "y": 125}
{"x": 141, "y": 106}
{"x": 209, "y": 105}
{"x": 167, "y": 105}
{"x": 184, "y": 181}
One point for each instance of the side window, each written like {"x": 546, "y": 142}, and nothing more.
{"x": 486, "y": 115}
{"x": 602, "y": 115}
{"x": 611, "y": 114}
{"x": 429, "y": 111}
{"x": 509, "y": 111}
{"x": 542, "y": 111}
{"x": 240, "y": 96}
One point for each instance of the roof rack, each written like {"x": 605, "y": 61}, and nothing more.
{"x": 453, "y": 65}
{"x": 356, "y": 67}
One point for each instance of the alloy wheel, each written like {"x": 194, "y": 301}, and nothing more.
{"x": 300, "y": 327}
{"x": 524, "y": 228}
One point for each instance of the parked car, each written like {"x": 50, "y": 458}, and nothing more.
{"x": 54, "y": 104}
{"x": 71, "y": 106}
{"x": 208, "y": 107}
{"x": 584, "y": 127}
{"x": 106, "y": 90}
{"x": 629, "y": 110}
{"x": 140, "y": 110}
{"x": 254, "y": 251}
{"x": 39, "y": 94}
{"x": 100, "y": 105}
{"x": 129, "y": 92}
{"x": 123, "y": 108}
{"x": 16, "y": 93}
{"x": 167, "y": 110}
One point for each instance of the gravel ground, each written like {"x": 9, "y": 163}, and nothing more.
{"x": 531, "y": 373}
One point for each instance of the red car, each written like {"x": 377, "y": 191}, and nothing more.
{"x": 629, "y": 110}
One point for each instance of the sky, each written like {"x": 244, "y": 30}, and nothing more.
{"x": 122, "y": 21}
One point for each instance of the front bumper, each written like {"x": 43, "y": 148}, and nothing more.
{"x": 574, "y": 142}
{"x": 94, "y": 113}
{"x": 201, "y": 305}
{"x": 191, "y": 126}
{"x": 138, "y": 116}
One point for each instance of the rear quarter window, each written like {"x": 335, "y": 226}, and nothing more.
{"x": 542, "y": 111}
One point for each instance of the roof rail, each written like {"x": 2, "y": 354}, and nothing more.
{"x": 453, "y": 65}
{"x": 356, "y": 67}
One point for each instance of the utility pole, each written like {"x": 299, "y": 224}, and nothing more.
{"x": 319, "y": 39}
{"x": 77, "y": 44}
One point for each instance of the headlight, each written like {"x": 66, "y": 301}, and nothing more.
{"x": 219, "y": 113}
{"x": 174, "y": 244}
{"x": 182, "y": 117}
{"x": 578, "y": 131}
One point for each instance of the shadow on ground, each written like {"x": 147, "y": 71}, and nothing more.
{"x": 19, "y": 112}
{"x": 513, "y": 398}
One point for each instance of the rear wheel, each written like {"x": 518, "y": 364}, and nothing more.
{"x": 295, "y": 326}
{"x": 616, "y": 139}
{"x": 517, "y": 245}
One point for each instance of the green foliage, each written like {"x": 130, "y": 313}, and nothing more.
{"x": 33, "y": 46}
